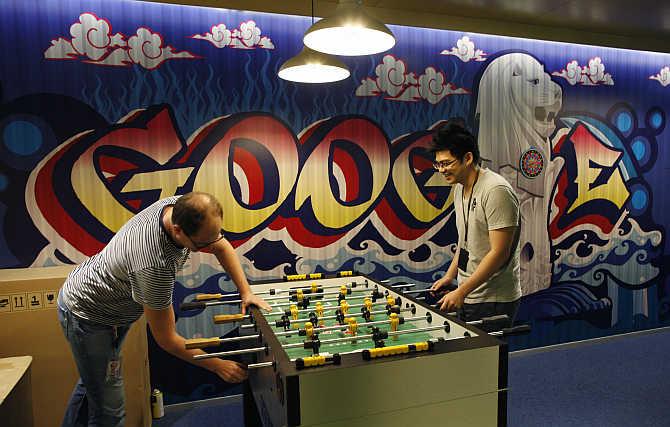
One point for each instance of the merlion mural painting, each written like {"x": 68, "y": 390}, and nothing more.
{"x": 517, "y": 105}
{"x": 111, "y": 106}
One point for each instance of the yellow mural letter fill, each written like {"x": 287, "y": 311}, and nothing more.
{"x": 408, "y": 191}
{"x": 594, "y": 161}
{"x": 314, "y": 181}
{"x": 217, "y": 170}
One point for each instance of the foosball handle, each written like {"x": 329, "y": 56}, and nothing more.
{"x": 495, "y": 319}
{"x": 207, "y": 297}
{"x": 202, "y": 342}
{"x": 192, "y": 306}
{"x": 228, "y": 318}
{"x": 517, "y": 330}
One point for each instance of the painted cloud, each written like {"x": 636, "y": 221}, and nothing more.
{"x": 61, "y": 49}
{"x": 465, "y": 51}
{"x": 589, "y": 75}
{"x": 247, "y": 36}
{"x": 663, "y": 76}
{"x": 94, "y": 43}
{"x": 397, "y": 84}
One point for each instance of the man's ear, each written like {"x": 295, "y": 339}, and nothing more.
{"x": 468, "y": 158}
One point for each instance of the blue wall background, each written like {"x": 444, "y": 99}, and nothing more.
{"x": 601, "y": 282}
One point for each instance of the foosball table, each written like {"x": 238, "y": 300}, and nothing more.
{"x": 344, "y": 350}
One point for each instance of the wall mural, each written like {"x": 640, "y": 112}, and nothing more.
{"x": 107, "y": 107}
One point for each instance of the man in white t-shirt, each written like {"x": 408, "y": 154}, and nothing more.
{"x": 486, "y": 263}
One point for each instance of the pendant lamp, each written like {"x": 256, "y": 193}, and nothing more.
{"x": 349, "y": 32}
{"x": 313, "y": 67}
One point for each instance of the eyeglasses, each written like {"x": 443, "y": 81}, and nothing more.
{"x": 444, "y": 164}
{"x": 204, "y": 245}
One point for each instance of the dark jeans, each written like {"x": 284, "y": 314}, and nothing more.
{"x": 98, "y": 398}
{"x": 470, "y": 312}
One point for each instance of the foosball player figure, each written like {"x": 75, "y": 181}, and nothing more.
{"x": 319, "y": 313}
{"x": 395, "y": 321}
{"x": 283, "y": 322}
{"x": 367, "y": 306}
{"x": 294, "y": 316}
{"x": 392, "y": 309}
{"x": 376, "y": 294}
{"x": 344, "y": 306}
{"x": 378, "y": 336}
{"x": 313, "y": 344}
{"x": 298, "y": 296}
{"x": 314, "y": 319}
{"x": 352, "y": 327}
{"x": 390, "y": 302}
{"x": 308, "y": 331}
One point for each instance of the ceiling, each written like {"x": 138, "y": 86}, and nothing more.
{"x": 640, "y": 25}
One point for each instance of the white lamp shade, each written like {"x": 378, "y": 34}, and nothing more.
{"x": 313, "y": 67}
{"x": 349, "y": 32}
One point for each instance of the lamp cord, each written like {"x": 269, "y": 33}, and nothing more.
{"x": 312, "y": 12}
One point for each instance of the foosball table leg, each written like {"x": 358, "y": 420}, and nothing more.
{"x": 251, "y": 415}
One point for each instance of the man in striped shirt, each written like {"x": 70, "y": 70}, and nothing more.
{"x": 134, "y": 275}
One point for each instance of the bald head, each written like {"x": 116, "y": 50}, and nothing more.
{"x": 192, "y": 209}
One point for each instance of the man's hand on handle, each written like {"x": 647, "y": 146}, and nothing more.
{"x": 252, "y": 299}
{"x": 231, "y": 372}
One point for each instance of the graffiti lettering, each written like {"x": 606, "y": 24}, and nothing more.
{"x": 321, "y": 185}
{"x": 597, "y": 174}
{"x": 350, "y": 155}
{"x": 590, "y": 187}
{"x": 251, "y": 164}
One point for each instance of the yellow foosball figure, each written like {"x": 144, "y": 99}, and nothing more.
{"x": 395, "y": 321}
{"x": 319, "y": 313}
{"x": 368, "y": 305}
{"x": 344, "y": 305}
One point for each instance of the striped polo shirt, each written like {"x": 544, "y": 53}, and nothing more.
{"x": 136, "y": 268}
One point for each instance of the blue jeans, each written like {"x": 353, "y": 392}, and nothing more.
{"x": 98, "y": 398}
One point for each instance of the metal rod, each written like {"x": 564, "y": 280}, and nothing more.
{"x": 229, "y": 353}
{"x": 235, "y": 339}
{"x": 213, "y": 303}
{"x": 274, "y": 291}
{"x": 247, "y": 326}
{"x": 345, "y": 327}
{"x": 318, "y": 300}
{"x": 403, "y": 285}
{"x": 328, "y": 308}
{"x": 291, "y": 321}
{"x": 331, "y": 286}
{"x": 416, "y": 291}
{"x": 372, "y": 313}
{"x": 367, "y": 336}
{"x": 260, "y": 365}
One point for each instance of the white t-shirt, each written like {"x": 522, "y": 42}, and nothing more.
{"x": 494, "y": 206}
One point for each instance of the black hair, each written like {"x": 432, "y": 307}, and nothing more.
{"x": 454, "y": 137}
{"x": 191, "y": 209}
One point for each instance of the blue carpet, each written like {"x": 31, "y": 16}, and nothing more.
{"x": 228, "y": 414}
{"x": 622, "y": 381}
